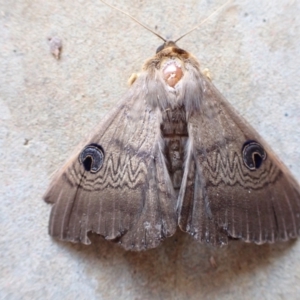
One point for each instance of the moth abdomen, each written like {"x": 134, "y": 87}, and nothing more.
{"x": 175, "y": 134}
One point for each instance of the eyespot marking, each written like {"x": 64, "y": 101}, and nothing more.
{"x": 253, "y": 155}
{"x": 92, "y": 158}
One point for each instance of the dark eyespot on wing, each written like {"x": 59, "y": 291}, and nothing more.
{"x": 253, "y": 155}
{"x": 92, "y": 158}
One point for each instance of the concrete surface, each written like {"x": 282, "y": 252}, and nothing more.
{"x": 252, "y": 49}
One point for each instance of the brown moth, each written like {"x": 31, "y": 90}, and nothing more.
{"x": 174, "y": 153}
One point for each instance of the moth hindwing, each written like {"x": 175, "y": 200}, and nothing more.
{"x": 174, "y": 153}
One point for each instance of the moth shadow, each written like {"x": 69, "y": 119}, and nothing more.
{"x": 180, "y": 264}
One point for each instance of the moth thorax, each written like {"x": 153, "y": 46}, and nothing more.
{"x": 172, "y": 72}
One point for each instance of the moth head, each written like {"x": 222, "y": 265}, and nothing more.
{"x": 171, "y": 59}
{"x": 165, "y": 45}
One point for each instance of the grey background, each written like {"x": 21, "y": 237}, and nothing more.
{"x": 252, "y": 49}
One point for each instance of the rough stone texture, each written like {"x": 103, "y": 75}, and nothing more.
{"x": 47, "y": 106}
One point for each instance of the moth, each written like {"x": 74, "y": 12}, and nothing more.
{"x": 174, "y": 153}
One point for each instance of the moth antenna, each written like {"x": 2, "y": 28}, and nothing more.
{"x": 202, "y": 21}
{"x": 134, "y": 19}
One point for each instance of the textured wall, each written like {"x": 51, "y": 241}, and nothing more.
{"x": 252, "y": 49}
